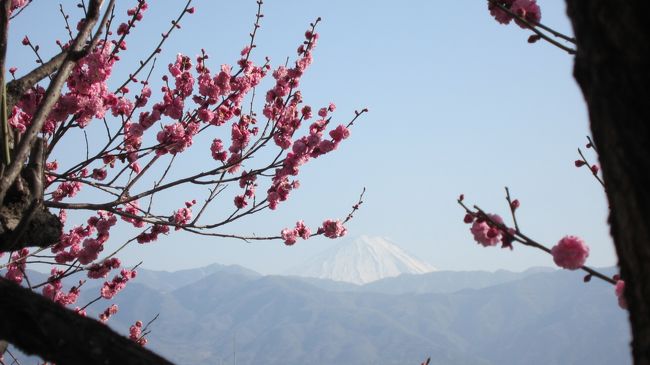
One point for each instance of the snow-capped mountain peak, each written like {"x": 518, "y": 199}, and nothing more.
{"x": 362, "y": 260}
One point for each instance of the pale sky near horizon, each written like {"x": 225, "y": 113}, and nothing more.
{"x": 458, "y": 104}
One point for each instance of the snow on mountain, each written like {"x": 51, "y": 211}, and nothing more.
{"x": 362, "y": 260}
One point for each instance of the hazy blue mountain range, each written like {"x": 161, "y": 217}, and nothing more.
{"x": 534, "y": 317}
{"x": 433, "y": 282}
{"x": 511, "y": 318}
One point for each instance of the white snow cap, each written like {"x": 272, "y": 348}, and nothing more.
{"x": 362, "y": 260}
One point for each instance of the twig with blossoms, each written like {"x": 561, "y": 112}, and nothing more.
{"x": 106, "y": 150}
{"x": 110, "y": 288}
{"x": 19, "y": 87}
{"x": 329, "y": 228}
{"x": 124, "y": 198}
{"x": 137, "y": 332}
{"x": 258, "y": 16}
{"x": 175, "y": 24}
{"x": 527, "y": 15}
{"x": 22, "y": 5}
{"x": 569, "y": 253}
{"x": 115, "y": 169}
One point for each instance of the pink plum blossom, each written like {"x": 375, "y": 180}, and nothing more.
{"x": 152, "y": 235}
{"x": 301, "y": 230}
{"x": 570, "y": 253}
{"x": 217, "y": 150}
{"x": 110, "y": 288}
{"x": 15, "y": 270}
{"x": 500, "y": 15}
{"x": 96, "y": 271}
{"x": 333, "y": 229}
{"x": 289, "y": 236}
{"x": 107, "y": 313}
{"x": 53, "y": 289}
{"x": 135, "y": 333}
{"x": 339, "y": 133}
{"x": 527, "y": 9}
{"x": 183, "y": 215}
{"x": 485, "y": 234}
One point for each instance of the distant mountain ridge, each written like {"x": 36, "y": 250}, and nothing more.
{"x": 168, "y": 281}
{"x": 516, "y": 318}
{"x": 362, "y": 260}
{"x": 534, "y": 317}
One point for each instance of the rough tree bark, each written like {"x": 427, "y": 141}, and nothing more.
{"x": 611, "y": 67}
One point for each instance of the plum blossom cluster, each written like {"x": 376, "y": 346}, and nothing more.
{"x": 487, "y": 230}
{"x": 182, "y": 216}
{"x": 135, "y": 333}
{"x": 283, "y": 107}
{"x": 136, "y": 14}
{"x": 108, "y": 312}
{"x": 110, "y": 288}
{"x": 330, "y": 229}
{"x": 17, "y": 4}
{"x": 78, "y": 244}
{"x": 16, "y": 269}
{"x": 101, "y": 270}
{"x": 570, "y": 253}
{"x": 303, "y": 149}
{"x": 526, "y": 9}
{"x": 87, "y": 97}
{"x": 333, "y": 229}
{"x": 290, "y": 236}
{"x": 132, "y": 209}
{"x": 152, "y": 234}
{"x": 53, "y": 289}
{"x": 219, "y": 99}
{"x": 246, "y": 182}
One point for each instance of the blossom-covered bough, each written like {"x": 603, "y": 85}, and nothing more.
{"x": 611, "y": 48}
{"x": 67, "y": 101}
{"x": 570, "y": 252}
{"x": 527, "y": 15}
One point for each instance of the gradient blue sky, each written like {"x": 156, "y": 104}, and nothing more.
{"x": 458, "y": 104}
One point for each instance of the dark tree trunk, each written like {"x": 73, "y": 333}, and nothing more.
{"x": 37, "y": 326}
{"x": 612, "y": 68}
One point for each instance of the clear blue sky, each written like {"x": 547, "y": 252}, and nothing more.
{"x": 458, "y": 104}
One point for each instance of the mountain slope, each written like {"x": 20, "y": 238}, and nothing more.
{"x": 531, "y": 318}
{"x": 542, "y": 318}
